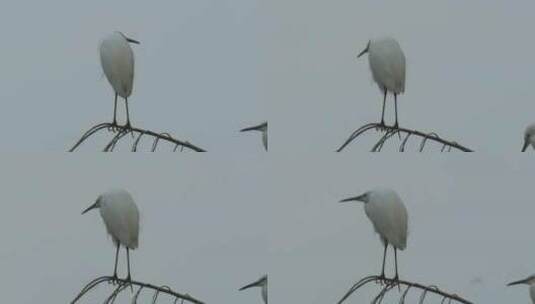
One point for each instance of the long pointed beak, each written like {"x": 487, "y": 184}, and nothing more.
{"x": 132, "y": 40}
{"x": 350, "y": 199}
{"x": 90, "y": 207}
{"x": 525, "y": 146}
{"x": 255, "y": 284}
{"x": 254, "y": 128}
{"x": 517, "y": 282}
{"x": 363, "y": 52}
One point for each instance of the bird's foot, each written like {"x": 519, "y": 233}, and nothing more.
{"x": 113, "y": 127}
{"x": 129, "y": 282}
{"x": 114, "y": 280}
{"x": 381, "y": 280}
{"x": 381, "y": 127}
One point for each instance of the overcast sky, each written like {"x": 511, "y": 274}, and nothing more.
{"x": 469, "y": 71}
{"x": 197, "y": 71}
{"x": 203, "y": 229}
{"x": 469, "y": 221}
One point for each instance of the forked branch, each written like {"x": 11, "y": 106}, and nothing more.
{"x": 121, "y": 285}
{"x": 404, "y": 287}
{"x": 137, "y": 133}
{"x": 406, "y": 134}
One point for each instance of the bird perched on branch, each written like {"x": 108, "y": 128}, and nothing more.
{"x": 263, "y": 127}
{"x": 121, "y": 217}
{"x": 529, "y": 137}
{"x": 262, "y": 283}
{"x": 117, "y": 60}
{"x": 389, "y": 218}
{"x": 528, "y": 281}
{"x": 387, "y": 64}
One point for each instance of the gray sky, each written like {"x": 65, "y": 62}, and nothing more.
{"x": 469, "y": 71}
{"x": 469, "y": 219}
{"x": 197, "y": 71}
{"x": 203, "y": 229}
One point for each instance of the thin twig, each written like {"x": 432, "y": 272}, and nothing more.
{"x": 389, "y": 284}
{"x": 122, "y": 131}
{"x": 390, "y": 130}
{"x": 123, "y": 284}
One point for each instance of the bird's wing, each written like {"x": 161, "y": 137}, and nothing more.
{"x": 122, "y": 223}
{"x": 390, "y": 221}
{"x": 117, "y": 59}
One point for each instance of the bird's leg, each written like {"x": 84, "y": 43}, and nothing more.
{"x": 129, "y": 278}
{"x": 382, "y": 124}
{"x": 116, "y": 260}
{"x": 127, "y": 115}
{"x": 396, "y": 125}
{"x": 114, "y": 124}
{"x": 382, "y": 276}
{"x": 396, "y": 278}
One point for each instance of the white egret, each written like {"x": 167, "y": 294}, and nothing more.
{"x": 121, "y": 217}
{"x": 262, "y": 283}
{"x": 528, "y": 281}
{"x": 529, "y": 137}
{"x": 389, "y": 218}
{"x": 387, "y": 63}
{"x": 263, "y": 127}
{"x": 117, "y": 60}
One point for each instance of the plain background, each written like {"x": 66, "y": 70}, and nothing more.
{"x": 469, "y": 226}
{"x": 203, "y": 229}
{"x": 197, "y": 71}
{"x": 469, "y": 71}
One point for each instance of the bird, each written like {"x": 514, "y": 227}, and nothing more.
{"x": 389, "y": 217}
{"x": 387, "y": 64}
{"x": 529, "y": 281}
{"x": 263, "y": 127}
{"x": 529, "y": 137}
{"x": 262, "y": 283}
{"x": 121, "y": 218}
{"x": 117, "y": 61}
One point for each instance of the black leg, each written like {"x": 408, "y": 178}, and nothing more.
{"x": 129, "y": 278}
{"x": 112, "y": 128}
{"x": 128, "y": 261}
{"x": 116, "y": 260}
{"x": 384, "y": 261}
{"x": 396, "y": 261}
{"x": 396, "y": 106}
{"x": 115, "y": 110}
{"x": 383, "y": 115}
{"x": 127, "y": 114}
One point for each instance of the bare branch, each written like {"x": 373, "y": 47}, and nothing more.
{"x": 124, "y": 284}
{"x": 390, "y": 131}
{"x": 389, "y": 284}
{"x": 121, "y": 131}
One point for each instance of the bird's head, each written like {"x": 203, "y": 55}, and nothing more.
{"x": 96, "y": 205}
{"x": 261, "y": 127}
{"x": 365, "y": 197}
{"x": 365, "y": 50}
{"x": 129, "y": 39}
{"x": 528, "y": 136}
{"x": 529, "y": 281}
{"x": 258, "y": 283}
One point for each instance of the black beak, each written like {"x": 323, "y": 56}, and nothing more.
{"x": 365, "y": 50}
{"x": 250, "y": 285}
{"x": 132, "y": 40}
{"x": 350, "y": 199}
{"x": 517, "y": 282}
{"x": 254, "y": 128}
{"x": 90, "y": 207}
{"x": 526, "y": 144}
